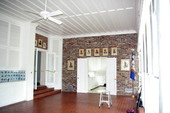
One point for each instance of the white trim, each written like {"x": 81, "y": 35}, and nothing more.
{"x": 99, "y": 34}
{"x": 42, "y": 33}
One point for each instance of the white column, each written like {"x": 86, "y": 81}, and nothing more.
{"x": 28, "y": 43}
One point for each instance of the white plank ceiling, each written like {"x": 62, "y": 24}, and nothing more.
{"x": 80, "y": 17}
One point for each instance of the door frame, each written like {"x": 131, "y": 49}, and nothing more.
{"x": 35, "y": 64}
{"x": 84, "y": 84}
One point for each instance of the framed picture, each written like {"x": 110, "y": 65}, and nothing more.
{"x": 35, "y": 43}
{"x": 39, "y": 42}
{"x": 81, "y": 52}
{"x": 88, "y": 52}
{"x": 114, "y": 51}
{"x": 125, "y": 65}
{"x": 70, "y": 65}
{"x": 105, "y": 51}
{"x": 44, "y": 45}
{"x": 96, "y": 52}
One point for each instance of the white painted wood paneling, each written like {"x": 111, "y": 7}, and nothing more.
{"x": 80, "y": 17}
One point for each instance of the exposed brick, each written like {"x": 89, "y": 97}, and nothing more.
{"x": 124, "y": 44}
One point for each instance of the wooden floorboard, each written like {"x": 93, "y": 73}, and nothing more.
{"x": 71, "y": 103}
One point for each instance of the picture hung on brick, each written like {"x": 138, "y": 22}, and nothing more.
{"x": 88, "y": 52}
{"x": 41, "y": 42}
{"x": 81, "y": 52}
{"x": 114, "y": 51}
{"x": 44, "y": 45}
{"x": 105, "y": 51}
{"x": 125, "y": 65}
{"x": 96, "y": 52}
{"x": 70, "y": 65}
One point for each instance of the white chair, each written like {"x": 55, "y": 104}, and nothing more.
{"x": 105, "y": 98}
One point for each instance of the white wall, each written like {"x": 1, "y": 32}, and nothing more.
{"x": 164, "y": 55}
{"x": 148, "y": 57}
{"x": 14, "y": 92}
{"x": 153, "y": 56}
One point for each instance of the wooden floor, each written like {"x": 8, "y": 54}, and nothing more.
{"x": 71, "y": 103}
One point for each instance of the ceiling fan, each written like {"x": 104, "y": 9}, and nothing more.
{"x": 47, "y": 15}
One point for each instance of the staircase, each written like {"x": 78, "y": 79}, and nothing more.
{"x": 43, "y": 91}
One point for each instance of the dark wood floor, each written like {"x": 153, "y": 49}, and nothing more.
{"x": 71, "y": 103}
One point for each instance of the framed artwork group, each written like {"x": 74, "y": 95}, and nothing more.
{"x": 96, "y": 52}
{"x": 41, "y": 41}
{"x": 125, "y": 63}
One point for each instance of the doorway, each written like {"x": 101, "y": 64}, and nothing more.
{"x": 44, "y": 68}
{"x": 96, "y": 74}
{"x": 84, "y": 73}
{"x": 39, "y": 68}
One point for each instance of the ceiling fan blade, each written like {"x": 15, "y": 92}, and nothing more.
{"x": 55, "y": 20}
{"x": 34, "y": 21}
{"x": 55, "y": 13}
{"x": 33, "y": 13}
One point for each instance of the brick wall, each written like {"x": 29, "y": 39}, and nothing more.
{"x": 124, "y": 44}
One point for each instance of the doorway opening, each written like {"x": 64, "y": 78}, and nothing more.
{"x": 96, "y": 74}
{"x": 39, "y": 68}
{"x": 44, "y": 68}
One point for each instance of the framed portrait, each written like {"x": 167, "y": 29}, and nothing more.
{"x": 70, "y": 65}
{"x": 88, "y": 52}
{"x": 96, "y": 52}
{"x": 81, "y": 52}
{"x": 125, "y": 65}
{"x": 114, "y": 51}
{"x": 39, "y": 42}
{"x": 105, "y": 51}
{"x": 44, "y": 45}
{"x": 35, "y": 43}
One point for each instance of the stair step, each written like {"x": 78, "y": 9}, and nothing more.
{"x": 47, "y": 94}
{"x": 43, "y": 91}
{"x": 40, "y": 88}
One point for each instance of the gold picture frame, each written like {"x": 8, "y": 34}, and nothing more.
{"x": 88, "y": 52}
{"x": 114, "y": 51}
{"x": 96, "y": 52}
{"x": 40, "y": 43}
{"x": 81, "y": 52}
{"x": 125, "y": 64}
{"x": 44, "y": 45}
{"x": 105, "y": 51}
{"x": 70, "y": 65}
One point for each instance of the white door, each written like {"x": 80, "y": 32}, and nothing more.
{"x": 35, "y": 68}
{"x": 111, "y": 76}
{"x": 50, "y": 69}
{"x": 43, "y": 68}
{"x": 82, "y": 76}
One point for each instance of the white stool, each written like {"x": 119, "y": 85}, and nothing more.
{"x": 105, "y": 98}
